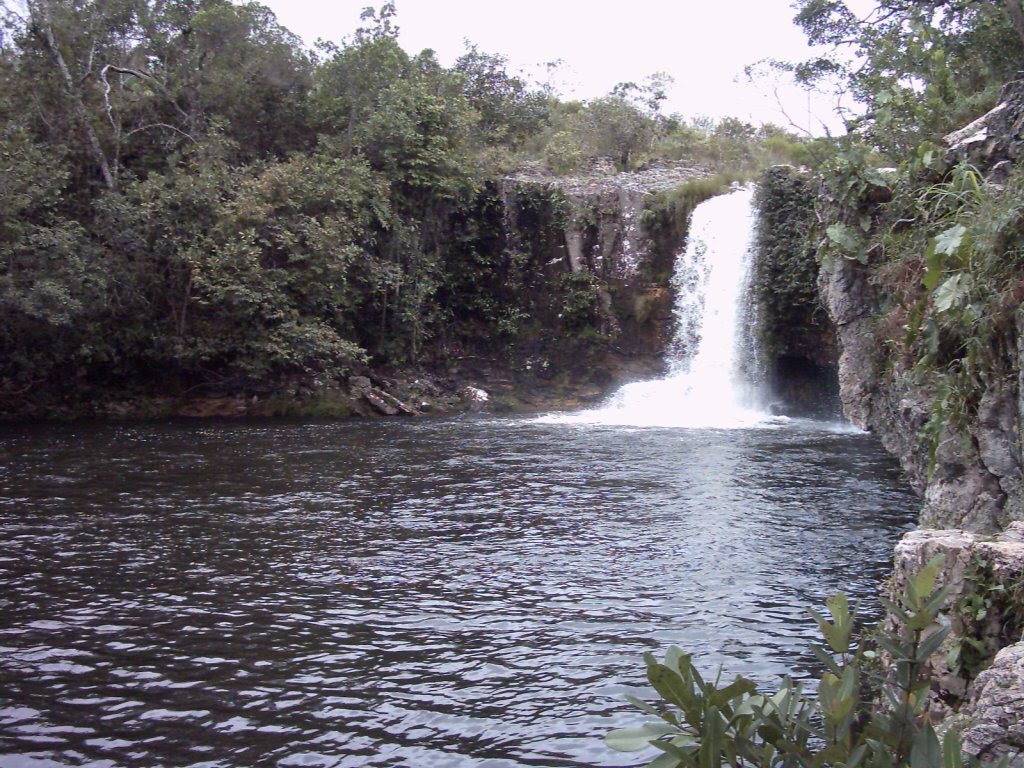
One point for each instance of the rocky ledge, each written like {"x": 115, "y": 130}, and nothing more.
{"x": 992, "y": 722}
{"x": 977, "y": 673}
{"x": 602, "y": 176}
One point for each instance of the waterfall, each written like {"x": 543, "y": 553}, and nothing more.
{"x": 710, "y": 365}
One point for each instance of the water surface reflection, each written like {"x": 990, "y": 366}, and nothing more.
{"x": 466, "y": 592}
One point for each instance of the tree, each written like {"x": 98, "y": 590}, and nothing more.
{"x": 52, "y": 281}
{"x": 920, "y": 67}
{"x": 509, "y": 112}
{"x": 617, "y": 128}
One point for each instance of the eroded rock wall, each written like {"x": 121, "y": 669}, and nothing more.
{"x": 795, "y": 336}
{"x": 965, "y": 464}
{"x": 977, "y": 674}
{"x": 969, "y": 473}
{"x": 597, "y": 231}
{"x": 971, "y": 476}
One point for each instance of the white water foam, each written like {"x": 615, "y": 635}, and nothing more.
{"x": 706, "y": 386}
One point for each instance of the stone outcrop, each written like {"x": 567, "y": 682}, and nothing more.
{"x": 603, "y": 229}
{"x": 381, "y": 401}
{"x": 996, "y": 139}
{"x": 992, "y": 722}
{"x": 967, "y": 467}
{"x": 598, "y": 226}
{"x": 973, "y": 477}
{"x": 985, "y": 581}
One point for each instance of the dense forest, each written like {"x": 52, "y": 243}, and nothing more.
{"x": 193, "y": 201}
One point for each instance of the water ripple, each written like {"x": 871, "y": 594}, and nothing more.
{"x": 467, "y": 592}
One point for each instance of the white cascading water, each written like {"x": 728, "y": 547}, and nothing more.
{"x": 705, "y": 386}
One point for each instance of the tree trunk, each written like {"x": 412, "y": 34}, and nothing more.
{"x": 43, "y": 27}
{"x": 1016, "y": 10}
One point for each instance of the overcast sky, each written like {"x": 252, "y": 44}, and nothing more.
{"x": 703, "y": 44}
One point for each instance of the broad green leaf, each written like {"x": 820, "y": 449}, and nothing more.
{"x": 635, "y": 739}
{"x": 953, "y": 658}
{"x": 737, "y": 689}
{"x": 952, "y": 292}
{"x": 826, "y": 658}
{"x": 949, "y": 241}
{"x": 845, "y": 238}
{"x": 952, "y": 750}
{"x": 926, "y": 752}
{"x": 665, "y": 761}
{"x": 681, "y": 751}
{"x": 924, "y": 580}
{"x": 644, "y": 706}
{"x": 676, "y": 658}
{"x": 713, "y": 742}
{"x": 894, "y": 609}
{"x": 935, "y": 266}
{"x": 669, "y": 685}
{"x": 930, "y": 644}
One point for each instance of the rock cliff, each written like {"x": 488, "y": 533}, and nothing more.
{"x": 964, "y": 460}
{"x": 796, "y": 337}
{"x": 970, "y": 475}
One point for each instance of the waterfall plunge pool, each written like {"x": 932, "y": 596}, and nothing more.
{"x": 451, "y": 592}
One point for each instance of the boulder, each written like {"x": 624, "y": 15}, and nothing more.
{"x": 475, "y": 398}
{"x": 992, "y": 721}
{"x": 995, "y": 137}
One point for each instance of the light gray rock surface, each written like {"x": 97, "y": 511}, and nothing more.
{"x": 992, "y": 721}
{"x": 964, "y": 556}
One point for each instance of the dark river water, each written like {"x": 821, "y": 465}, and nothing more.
{"x": 460, "y": 592}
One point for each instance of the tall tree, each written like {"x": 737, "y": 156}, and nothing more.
{"x": 920, "y": 67}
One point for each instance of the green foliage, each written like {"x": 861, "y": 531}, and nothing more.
{"x": 961, "y": 319}
{"x": 988, "y": 615}
{"x": 48, "y": 269}
{"x": 191, "y": 200}
{"x": 509, "y": 111}
{"x": 709, "y": 724}
{"x": 919, "y": 69}
{"x": 564, "y": 152}
{"x": 786, "y": 272}
{"x": 616, "y": 128}
{"x": 580, "y": 301}
{"x": 853, "y": 187}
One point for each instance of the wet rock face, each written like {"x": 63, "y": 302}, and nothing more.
{"x": 974, "y": 479}
{"x": 850, "y": 302}
{"x": 591, "y": 226}
{"x": 601, "y": 223}
{"x": 795, "y": 339}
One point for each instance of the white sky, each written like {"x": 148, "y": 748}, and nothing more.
{"x": 703, "y": 44}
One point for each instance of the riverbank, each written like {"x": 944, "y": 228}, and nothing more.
{"x": 469, "y": 383}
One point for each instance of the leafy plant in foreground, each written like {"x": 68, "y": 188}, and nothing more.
{"x": 708, "y": 725}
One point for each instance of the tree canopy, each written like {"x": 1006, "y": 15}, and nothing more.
{"x": 192, "y": 198}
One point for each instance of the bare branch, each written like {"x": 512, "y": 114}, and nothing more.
{"x": 785, "y": 114}
{"x": 165, "y": 126}
{"x": 42, "y": 27}
{"x": 144, "y": 76}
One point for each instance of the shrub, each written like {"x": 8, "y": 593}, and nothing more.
{"x": 704, "y": 724}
